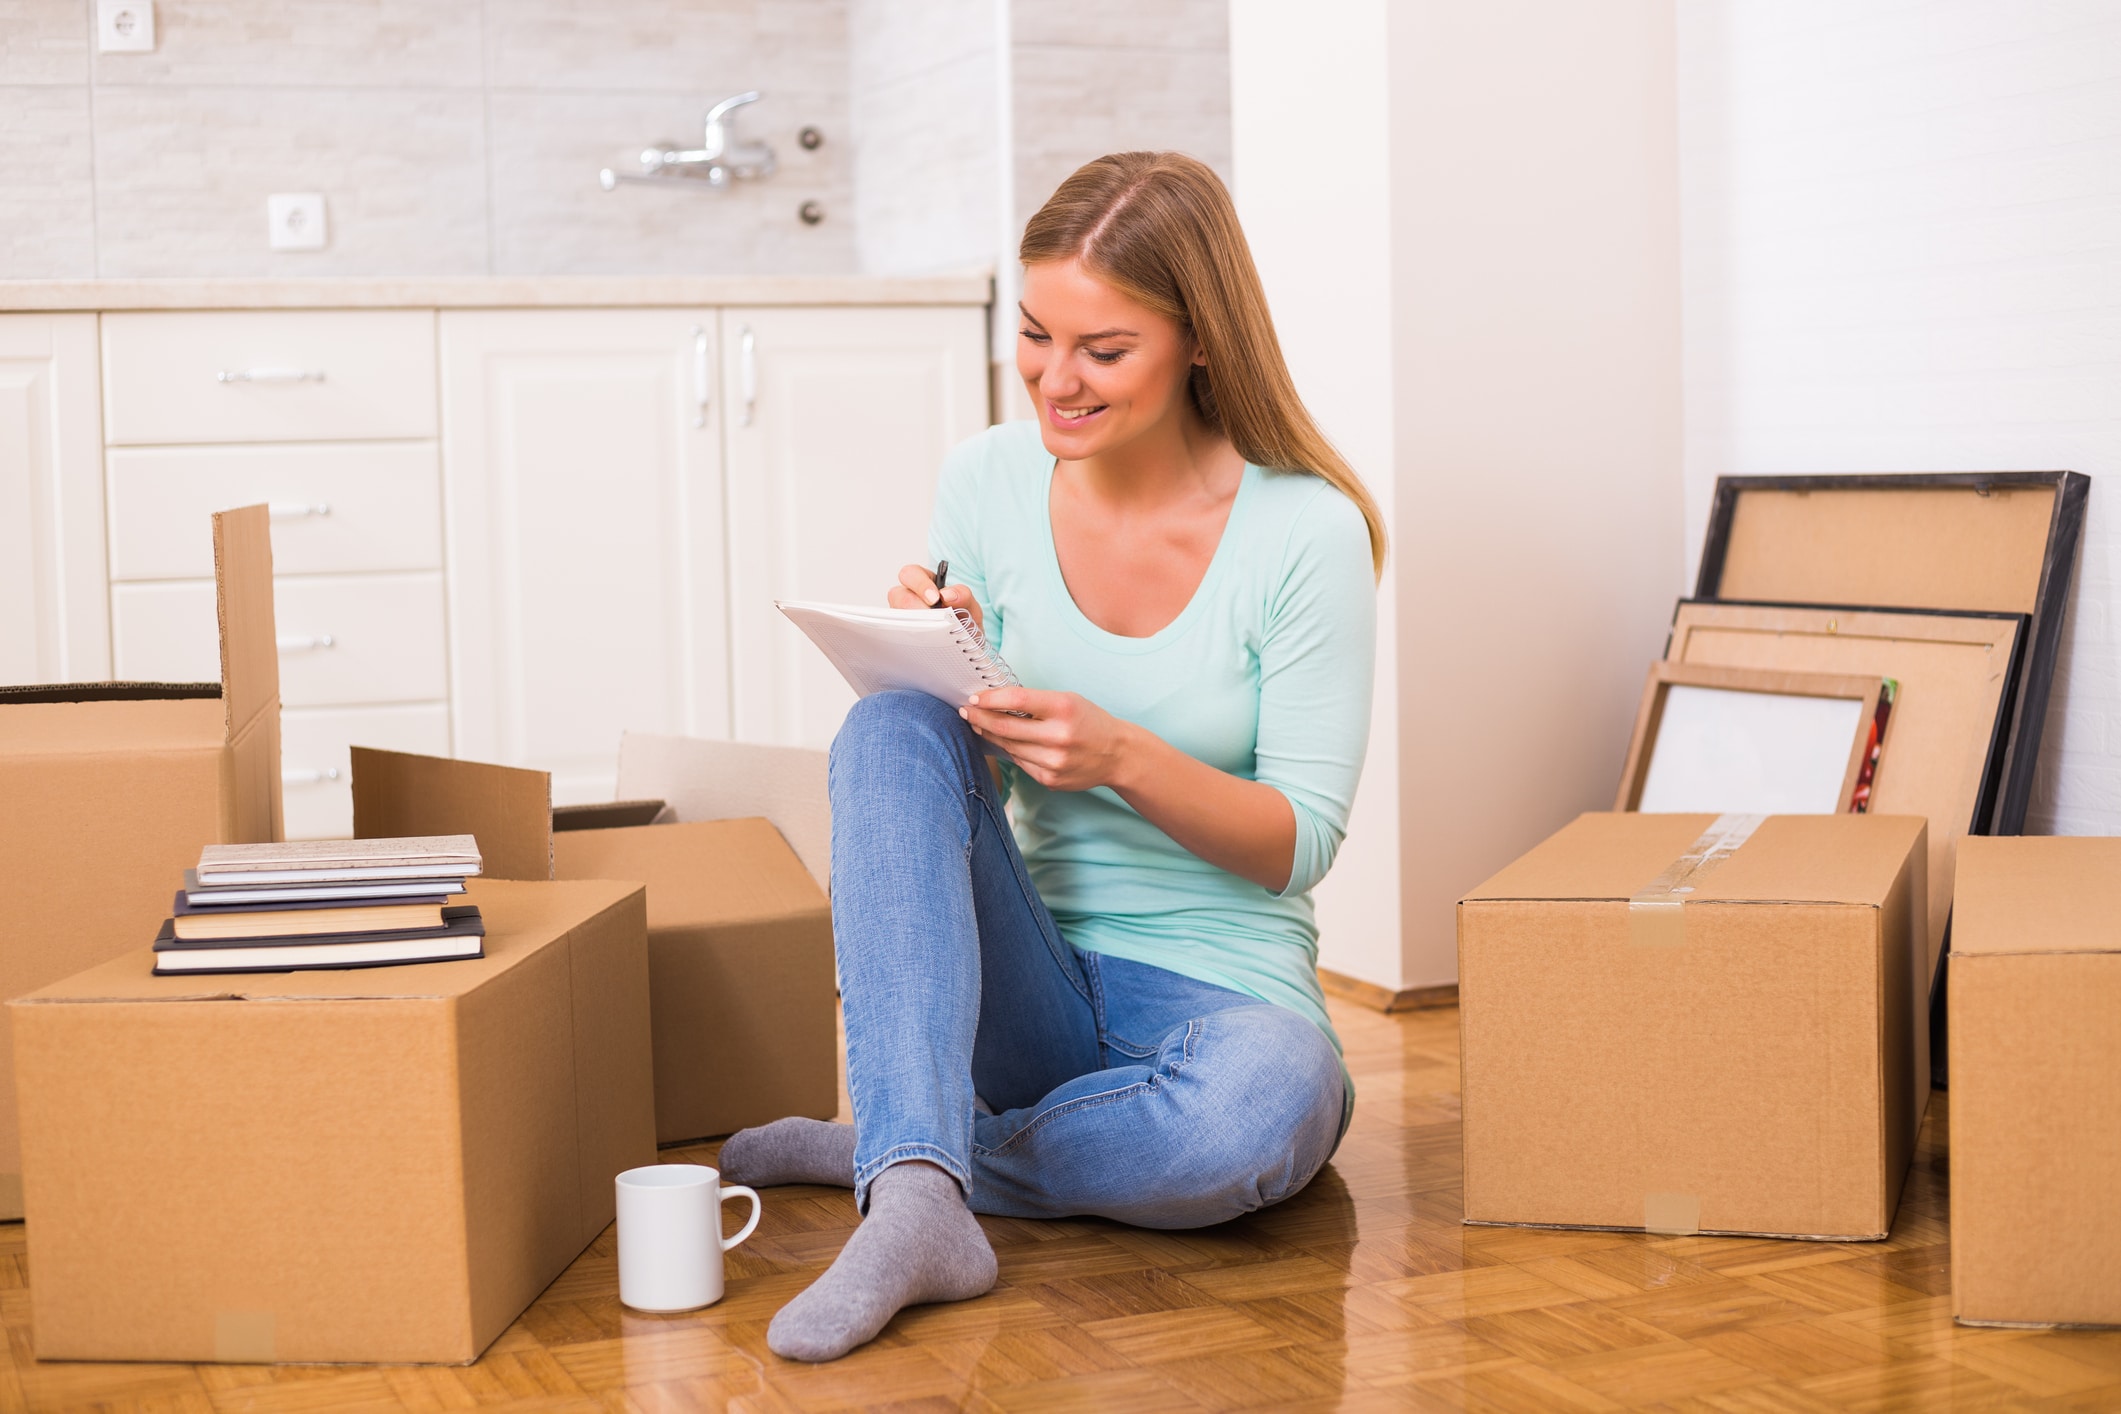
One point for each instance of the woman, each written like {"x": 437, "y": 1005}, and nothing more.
{"x": 1113, "y": 1010}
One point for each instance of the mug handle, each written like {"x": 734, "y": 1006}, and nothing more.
{"x": 735, "y": 1190}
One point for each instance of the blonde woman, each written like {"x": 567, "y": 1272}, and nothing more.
{"x": 1111, "y": 1008}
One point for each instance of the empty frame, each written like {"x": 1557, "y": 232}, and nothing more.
{"x": 1717, "y": 739}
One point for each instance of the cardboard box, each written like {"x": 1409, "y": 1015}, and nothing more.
{"x": 110, "y": 791}
{"x": 2036, "y": 1083}
{"x": 381, "y": 1164}
{"x": 740, "y": 960}
{"x": 1671, "y": 1025}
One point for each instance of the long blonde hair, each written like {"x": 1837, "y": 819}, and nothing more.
{"x": 1160, "y": 228}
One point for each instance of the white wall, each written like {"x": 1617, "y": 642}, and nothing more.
{"x": 1536, "y": 322}
{"x": 1467, "y": 219}
{"x": 1902, "y": 230}
{"x": 1296, "y": 72}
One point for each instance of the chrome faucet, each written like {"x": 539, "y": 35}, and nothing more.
{"x": 718, "y": 158}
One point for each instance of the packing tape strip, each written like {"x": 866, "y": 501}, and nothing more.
{"x": 1671, "y": 1214}
{"x": 1655, "y": 916}
{"x": 243, "y": 1337}
{"x": 10, "y": 1197}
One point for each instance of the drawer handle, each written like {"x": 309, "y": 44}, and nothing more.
{"x": 295, "y": 776}
{"x": 699, "y": 376}
{"x": 303, "y": 642}
{"x": 747, "y": 372}
{"x": 295, "y": 510}
{"x": 270, "y": 375}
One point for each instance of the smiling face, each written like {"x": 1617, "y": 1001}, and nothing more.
{"x": 1102, "y": 369}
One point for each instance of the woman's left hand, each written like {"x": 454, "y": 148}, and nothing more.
{"x": 1064, "y": 741}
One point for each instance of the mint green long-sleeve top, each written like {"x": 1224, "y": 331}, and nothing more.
{"x": 1265, "y": 674}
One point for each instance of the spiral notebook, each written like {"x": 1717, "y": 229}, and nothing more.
{"x": 937, "y": 651}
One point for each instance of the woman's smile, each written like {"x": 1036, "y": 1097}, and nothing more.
{"x": 1069, "y": 418}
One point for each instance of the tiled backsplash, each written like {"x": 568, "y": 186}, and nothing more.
{"x": 446, "y": 138}
{"x": 465, "y": 139}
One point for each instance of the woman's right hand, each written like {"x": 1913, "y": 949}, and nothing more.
{"x": 916, "y": 590}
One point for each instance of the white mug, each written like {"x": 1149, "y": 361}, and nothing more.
{"x": 670, "y": 1235}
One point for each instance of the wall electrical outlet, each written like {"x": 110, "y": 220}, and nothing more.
{"x": 295, "y": 220}
{"x": 125, "y": 26}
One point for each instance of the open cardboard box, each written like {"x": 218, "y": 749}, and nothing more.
{"x": 380, "y": 1164}
{"x": 2036, "y": 1091}
{"x": 740, "y": 958}
{"x": 1671, "y": 1025}
{"x": 108, "y": 791}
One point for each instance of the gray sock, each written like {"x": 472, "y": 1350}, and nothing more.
{"x": 790, "y": 1151}
{"x": 920, "y": 1243}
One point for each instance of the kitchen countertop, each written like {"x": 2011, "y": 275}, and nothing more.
{"x": 497, "y": 292}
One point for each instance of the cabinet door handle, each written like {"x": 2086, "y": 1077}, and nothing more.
{"x": 304, "y": 642}
{"x": 296, "y": 510}
{"x": 270, "y": 375}
{"x": 699, "y": 376}
{"x": 298, "y": 776}
{"x": 747, "y": 372}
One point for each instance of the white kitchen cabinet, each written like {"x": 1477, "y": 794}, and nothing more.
{"x": 54, "y": 619}
{"x": 501, "y": 533}
{"x": 337, "y": 507}
{"x": 279, "y": 375}
{"x": 838, "y": 421}
{"x": 582, "y": 472}
{"x": 345, "y": 640}
{"x": 316, "y": 767}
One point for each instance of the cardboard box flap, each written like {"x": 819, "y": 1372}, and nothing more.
{"x": 250, "y": 675}
{"x": 1816, "y": 859}
{"x": 2035, "y": 894}
{"x": 1974, "y": 545}
{"x": 250, "y": 652}
{"x": 1596, "y": 856}
{"x": 94, "y": 726}
{"x": 707, "y": 872}
{"x": 724, "y": 780}
{"x": 517, "y": 923}
{"x": 1850, "y": 859}
{"x": 508, "y": 809}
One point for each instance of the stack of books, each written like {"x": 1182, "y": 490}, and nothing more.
{"x": 323, "y": 903}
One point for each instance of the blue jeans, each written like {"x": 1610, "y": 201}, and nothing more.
{"x": 1050, "y": 1082}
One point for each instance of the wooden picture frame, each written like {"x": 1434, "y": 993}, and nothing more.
{"x": 1865, "y": 691}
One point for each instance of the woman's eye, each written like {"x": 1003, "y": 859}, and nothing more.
{"x": 1035, "y": 336}
{"x": 1105, "y": 355}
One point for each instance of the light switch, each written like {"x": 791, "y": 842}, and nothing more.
{"x": 125, "y": 26}
{"x": 295, "y": 220}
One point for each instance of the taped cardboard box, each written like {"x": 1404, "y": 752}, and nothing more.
{"x": 740, "y": 960}
{"x": 1686, "y": 1023}
{"x": 110, "y": 791}
{"x": 2036, "y": 1083}
{"x": 382, "y": 1164}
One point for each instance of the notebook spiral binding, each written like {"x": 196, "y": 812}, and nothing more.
{"x": 985, "y": 661}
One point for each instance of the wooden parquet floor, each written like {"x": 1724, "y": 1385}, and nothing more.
{"x": 1362, "y": 1293}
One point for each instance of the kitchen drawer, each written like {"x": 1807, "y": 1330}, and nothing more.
{"x": 336, "y": 508}
{"x": 344, "y": 639}
{"x": 268, "y": 376}
{"x": 314, "y": 771}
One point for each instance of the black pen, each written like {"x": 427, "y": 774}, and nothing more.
{"x": 942, "y": 577}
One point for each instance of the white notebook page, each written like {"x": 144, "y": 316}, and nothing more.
{"x": 936, "y": 651}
